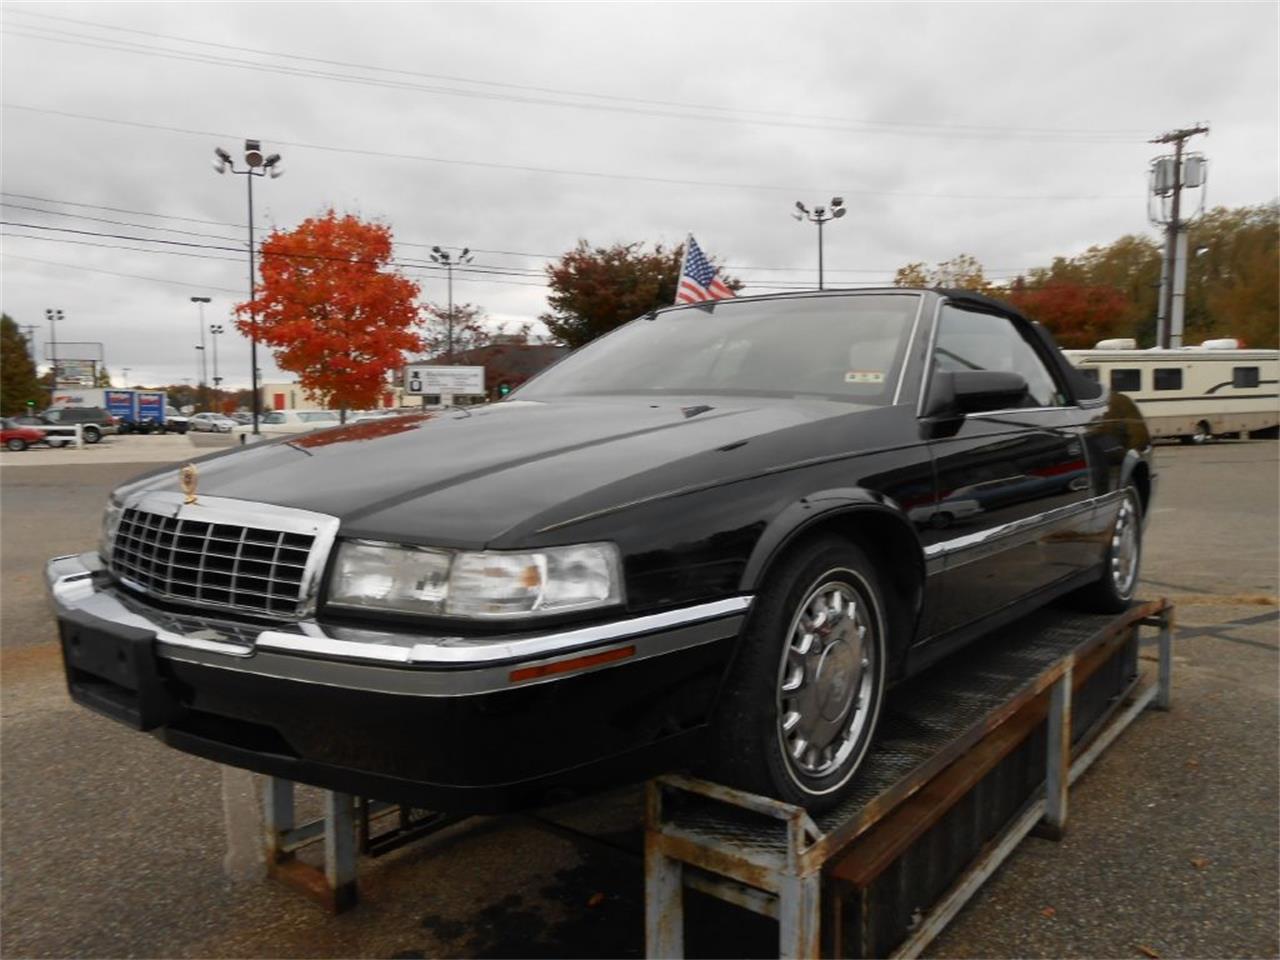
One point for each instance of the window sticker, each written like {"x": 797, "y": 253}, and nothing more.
{"x": 864, "y": 376}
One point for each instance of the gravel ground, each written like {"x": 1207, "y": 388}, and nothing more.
{"x": 112, "y": 845}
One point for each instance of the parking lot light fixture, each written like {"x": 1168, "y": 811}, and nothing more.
{"x": 255, "y": 165}
{"x": 821, "y": 215}
{"x": 215, "y": 329}
{"x": 444, "y": 257}
{"x": 204, "y": 367}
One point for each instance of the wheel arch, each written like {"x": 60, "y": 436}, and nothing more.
{"x": 1137, "y": 471}
{"x": 878, "y": 527}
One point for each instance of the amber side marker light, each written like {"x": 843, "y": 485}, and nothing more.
{"x": 568, "y": 666}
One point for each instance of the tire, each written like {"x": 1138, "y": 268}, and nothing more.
{"x": 1202, "y": 434}
{"x": 1113, "y": 591}
{"x": 800, "y": 706}
{"x": 16, "y": 444}
{"x": 92, "y": 434}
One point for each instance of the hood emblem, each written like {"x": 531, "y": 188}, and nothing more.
{"x": 187, "y": 479}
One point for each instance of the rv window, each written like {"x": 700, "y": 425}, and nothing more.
{"x": 1090, "y": 373}
{"x": 1244, "y": 376}
{"x": 1127, "y": 380}
{"x": 1168, "y": 378}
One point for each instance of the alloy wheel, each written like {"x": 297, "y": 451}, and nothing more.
{"x": 826, "y": 679}
{"x": 1124, "y": 548}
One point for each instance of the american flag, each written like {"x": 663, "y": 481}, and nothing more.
{"x": 698, "y": 280}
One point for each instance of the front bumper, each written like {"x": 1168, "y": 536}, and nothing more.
{"x": 447, "y": 722}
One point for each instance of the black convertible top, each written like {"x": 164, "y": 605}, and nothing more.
{"x": 1081, "y": 387}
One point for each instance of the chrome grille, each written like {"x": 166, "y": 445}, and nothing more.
{"x": 208, "y": 563}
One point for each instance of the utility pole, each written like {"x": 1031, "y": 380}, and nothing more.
{"x": 1168, "y": 179}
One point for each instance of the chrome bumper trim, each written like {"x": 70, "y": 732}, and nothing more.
{"x": 72, "y": 585}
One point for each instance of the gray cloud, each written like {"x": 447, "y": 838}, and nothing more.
{"x": 957, "y": 72}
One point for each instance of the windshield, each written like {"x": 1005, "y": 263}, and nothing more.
{"x": 836, "y": 347}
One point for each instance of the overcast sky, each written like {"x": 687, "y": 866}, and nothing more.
{"x": 1013, "y": 132}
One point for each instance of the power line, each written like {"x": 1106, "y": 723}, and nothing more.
{"x": 485, "y": 275}
{"x": 638, "y": 106}
{"x": 119, "y": 223}
{"x": 114, "y": 273}
{"x": 564, "y": 172}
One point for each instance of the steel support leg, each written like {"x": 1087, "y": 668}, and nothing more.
{"x": 278, "y": 810}
{"x": 663, "y": 904}
{"x": 799, "y": 916}
{"x": 340, "y": 849}
{"x": 1058, "y": 759}
{"x": 1164, "y": 685}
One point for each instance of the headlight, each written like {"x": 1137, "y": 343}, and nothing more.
{"x": 110, "y": 523}
{"x": 487, "y": 585}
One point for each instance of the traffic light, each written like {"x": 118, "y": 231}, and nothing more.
{"x": 504, "y": 389}
{"x": 31, "y": 404}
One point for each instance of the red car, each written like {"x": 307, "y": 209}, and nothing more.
{"x": 15, "y": 436}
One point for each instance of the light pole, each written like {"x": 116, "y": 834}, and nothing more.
{"x": 125, "y": 374}
{"x": 819, "y": 215}
{"x": 443, "y": 256}
{"x": 53, "y": 317}
{"x": 256, "y": 165}
{"x": 214, "y": 330}
{"x": 201, "y": 390}
{"x": 204, "y": 366}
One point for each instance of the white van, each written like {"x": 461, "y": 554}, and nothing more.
{"x": 1192, "y": 393}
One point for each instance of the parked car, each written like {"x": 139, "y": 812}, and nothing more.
{"x": 211, "y": 423}
{"x": 278, "y": 423}
{"x": 690, "y": 543}
{"x": 95, "y": 422}
{"x": 55, "y": 435}
{"x": 175, "y": 421}
{"x": 17, "y": 436}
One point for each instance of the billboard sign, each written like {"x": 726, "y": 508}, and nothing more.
{"x": 76, "y": 373}
{"x": 421, "y": 379}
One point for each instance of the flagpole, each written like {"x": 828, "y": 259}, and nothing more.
{"x": 683, "y": 260}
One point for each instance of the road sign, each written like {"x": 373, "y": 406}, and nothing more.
{"x": 422, "y": 379}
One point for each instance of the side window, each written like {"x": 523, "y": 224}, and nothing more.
{"x": 1244, "y": 376}
{"x": 985, "y": 341}
{"x": 1090, "y": 373}
{"x": 1126, "y": 381}
{"x": 1167, "y": 378}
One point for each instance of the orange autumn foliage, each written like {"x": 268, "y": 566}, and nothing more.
{"x": 333, "y": 309}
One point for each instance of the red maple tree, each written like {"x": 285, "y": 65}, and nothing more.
{"x": 333, "y": 309}
{"x": 1078, "y": 315}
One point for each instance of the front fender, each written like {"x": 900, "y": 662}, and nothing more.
{"x": 818, "y": 509}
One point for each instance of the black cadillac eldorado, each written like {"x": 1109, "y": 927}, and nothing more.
{"x": 713, "y": 538}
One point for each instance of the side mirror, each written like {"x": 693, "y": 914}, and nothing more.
{"x": 954, "y": 393}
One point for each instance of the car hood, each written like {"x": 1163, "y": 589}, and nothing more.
{"x": 475, "y": 478}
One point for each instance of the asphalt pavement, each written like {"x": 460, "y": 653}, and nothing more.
{"x": 113, "y": 845}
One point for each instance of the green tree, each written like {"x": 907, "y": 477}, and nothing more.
{"x": 18, "y": 380}
{"x": 1233, "y": 284}
{"x": 962, "y": 272}
{"x": 595, "y": 290}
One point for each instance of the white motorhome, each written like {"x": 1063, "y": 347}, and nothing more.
{"x": 1192, "y": 393}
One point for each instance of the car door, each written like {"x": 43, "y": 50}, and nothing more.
{"x": 1013, "y": 485}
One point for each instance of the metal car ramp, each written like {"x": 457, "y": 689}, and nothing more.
{"x": 969, "y": 758}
